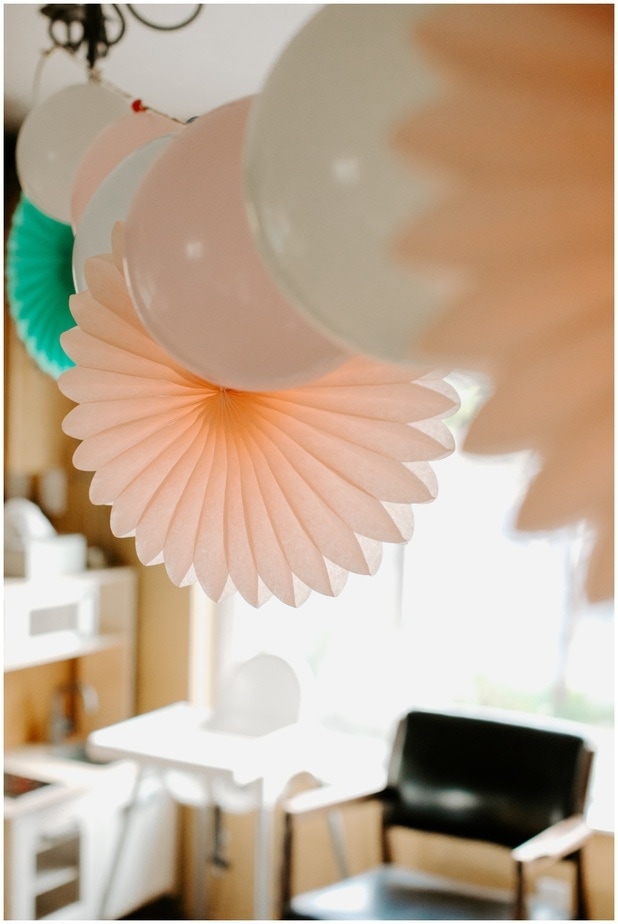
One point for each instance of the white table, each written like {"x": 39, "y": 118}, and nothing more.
{"x": 178, "y": 737}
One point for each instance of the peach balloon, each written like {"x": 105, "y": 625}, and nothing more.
{"x": 198, "y": 283}
{"x": 110, "y": 147}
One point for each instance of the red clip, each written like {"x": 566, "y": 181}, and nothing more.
{"x": 138, "y": 106}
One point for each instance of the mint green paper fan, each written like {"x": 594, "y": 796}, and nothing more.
{"x": 39, "y": 282}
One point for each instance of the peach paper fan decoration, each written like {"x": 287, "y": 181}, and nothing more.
{"x": 523, "y": 141}
{"x": 267, "y": 493}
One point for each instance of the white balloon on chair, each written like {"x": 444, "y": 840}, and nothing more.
{"x": 110, "y": 203}
{"x": 326, "y": 193}
{"x": 261, "y": 696}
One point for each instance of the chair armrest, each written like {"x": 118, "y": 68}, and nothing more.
{"x": 555, "y": 842}
{"x": 324, "y": 798}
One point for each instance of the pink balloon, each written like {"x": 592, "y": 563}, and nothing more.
{"x": 109, "y": 148}
{"x": 198, "y": 283}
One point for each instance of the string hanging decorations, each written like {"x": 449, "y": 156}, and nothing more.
{"x": 253, "y": 476}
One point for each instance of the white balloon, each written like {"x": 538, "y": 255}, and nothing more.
{"x": 53, "y": 140}
{"x": 110, "y": 203}
{"x": 326, "y": 193}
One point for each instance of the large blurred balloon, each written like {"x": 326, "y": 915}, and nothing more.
{"x": 109, "y": 148}
{"x": 54, "y": 137}
{"x": 197, "y": 281}
{"x": 111, "y": 203}
{"x": 326, "y": 193}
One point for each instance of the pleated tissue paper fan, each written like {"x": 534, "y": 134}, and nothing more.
{"x": 39, "y": 282}
{"x": 522, "y": 139}
{"x": 265, "y": 493}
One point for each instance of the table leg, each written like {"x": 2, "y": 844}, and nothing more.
{"x": 270, "y": 792}
{"x": 337, "y": 837}
{"x": 202, "y": 845}
{"x": 261, "y": 894}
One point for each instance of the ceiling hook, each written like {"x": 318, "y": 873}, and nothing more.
{"x": 84, "y": 23}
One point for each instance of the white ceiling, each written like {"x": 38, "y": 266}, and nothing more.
{"x": 224, "y": 54}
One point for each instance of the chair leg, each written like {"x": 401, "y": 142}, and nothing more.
{"x": 285, "y": 878}
{"x": 385, "y": 844}
{"x": 519, "y": 911}
{"x": 582, "y": 910}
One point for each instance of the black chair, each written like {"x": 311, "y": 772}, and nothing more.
{"x": 518, "y": 786}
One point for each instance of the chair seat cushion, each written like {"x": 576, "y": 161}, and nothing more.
{"x": 391, "y": 893}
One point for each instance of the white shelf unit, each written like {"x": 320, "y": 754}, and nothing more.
{"x": 60, "y": 840}
{"x": 68, "y": 616}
